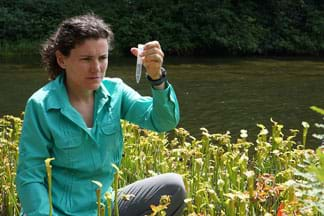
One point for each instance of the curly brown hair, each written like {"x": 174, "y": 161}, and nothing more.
{"x": 71, "y": 32}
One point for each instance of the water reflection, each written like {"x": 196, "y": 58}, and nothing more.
{"x": 218, "y": 94}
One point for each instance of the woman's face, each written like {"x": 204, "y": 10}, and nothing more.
{"x": 86, "y": 65}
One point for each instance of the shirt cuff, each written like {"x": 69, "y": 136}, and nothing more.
{"x": 164, "y": 95}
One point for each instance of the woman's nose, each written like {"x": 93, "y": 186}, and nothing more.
{"x": 95, "y": 66}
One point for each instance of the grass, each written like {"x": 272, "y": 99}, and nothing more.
{"x": 222, "y": 177}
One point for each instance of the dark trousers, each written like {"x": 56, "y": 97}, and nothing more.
{"x": 149, "y": 191}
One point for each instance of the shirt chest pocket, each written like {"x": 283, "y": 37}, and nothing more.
{"x": 70, "y": 151}
{"x": 111, "y": 142}
{"x": 109, "y": 129}
{"x": 110, "y": 135}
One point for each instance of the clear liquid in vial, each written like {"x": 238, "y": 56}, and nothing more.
{"x": 138, "y": 72}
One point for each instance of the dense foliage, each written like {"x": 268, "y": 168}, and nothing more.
{"x": 275, "y": 175}
{"x": 212, "y": 27}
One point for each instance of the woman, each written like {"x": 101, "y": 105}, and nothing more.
{"x": 75, "y": 118}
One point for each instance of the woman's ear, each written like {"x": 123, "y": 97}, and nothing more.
{"x": 60, "y": 58}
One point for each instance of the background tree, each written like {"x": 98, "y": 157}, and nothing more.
{"x": 183, "y": 27}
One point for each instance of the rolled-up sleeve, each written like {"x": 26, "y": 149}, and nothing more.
{"x": 159, "y": 112}
{"x": 31, "y": 172}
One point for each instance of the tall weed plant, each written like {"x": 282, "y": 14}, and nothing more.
{"x": 273, "y": 175}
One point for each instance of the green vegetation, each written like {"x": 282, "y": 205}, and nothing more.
{"x": 212, "y": 27}
{"x": 275, "y": 175}
{"x": 10, "y": 128}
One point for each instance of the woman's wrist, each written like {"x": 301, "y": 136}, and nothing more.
{"x": 158, "y": 82}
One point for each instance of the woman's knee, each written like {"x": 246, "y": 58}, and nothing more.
{"x": 174, "y": 183}
{"x": 175, "y": 188}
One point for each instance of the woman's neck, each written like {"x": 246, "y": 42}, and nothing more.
{"x": 83, "y": 102}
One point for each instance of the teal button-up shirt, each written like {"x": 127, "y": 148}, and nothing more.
{"x": 53, "y": 128}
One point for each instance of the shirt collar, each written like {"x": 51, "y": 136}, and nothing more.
{"x": 102, "y": 96}
{"x": 57, "y": 97}
{"x": 102, "y": 91}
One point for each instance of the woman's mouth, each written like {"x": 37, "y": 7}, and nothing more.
{"x": 94, "y": 77}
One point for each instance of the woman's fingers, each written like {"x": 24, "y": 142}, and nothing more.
{"x": 152, "y": 57}
{"x": 152, "y": 54}
{"x": 134, "y": 51}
